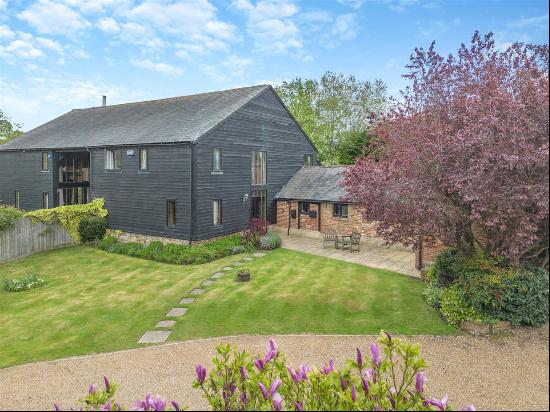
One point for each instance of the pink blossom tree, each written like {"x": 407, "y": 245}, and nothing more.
{"x": 466, "y": 147}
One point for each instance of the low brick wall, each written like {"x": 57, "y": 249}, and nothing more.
{"x": 145, "y": 239}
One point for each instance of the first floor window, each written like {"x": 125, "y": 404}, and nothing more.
{"x": 45, "y": 162}
{"x": 304, "y": 208}
{"x": 217, "y": 212}
{"x": 171, "y": 213}
{"x": 340, "y": 210}
{"x": 216, "y": 160}
{"x": 259, "y": 168}
{"x": 307, "y": 160}
{"x": 143, "y": 159}
{"x": 113, "y": 159}
{"x": 45, "y": 200}
{"x": 17, "y": 203}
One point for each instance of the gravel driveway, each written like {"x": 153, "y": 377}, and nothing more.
{"x": 500, "y": 374}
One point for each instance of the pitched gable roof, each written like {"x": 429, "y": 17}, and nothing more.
{"x": 177, "y": 119}
{"x": 318, "y": 183}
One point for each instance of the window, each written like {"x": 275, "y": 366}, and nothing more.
{"x": 259, "y": 204}
{"x": 45, "y": 200}
{"x": 259, "y": 168}
{"x": 45, "y": 162}
{"x": 217, "y": 212}
{"x": 72, "y": 196}
{"x": 216, "y": 160}
{"x": 171, "y": 213}
{"x": 17, "y": 203}
{"x": 143, "y": 159}
{"x": 304, "y": 208}
{"x": 340, "y": 210}
{"x": 307, "y": 160}
{"x": 113, "y": 159}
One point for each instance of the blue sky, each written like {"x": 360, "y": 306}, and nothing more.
{"x": 56, "y": 55}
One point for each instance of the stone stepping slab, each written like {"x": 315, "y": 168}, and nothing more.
{"x": 217, "y": 275}
{"x": 237, "y": 263}
{"x": 259, "y": 254}
{"x": 248, "y": 259}
{"x": 165, "y": 324}
{"x": 176, "y": 312}
{"x": 197, "y": 291}
{"x": 155, "y": 336}
{"x": 208, "y": 282}
{"x": 227, "y": 268}
{"x": 187, "y": 301}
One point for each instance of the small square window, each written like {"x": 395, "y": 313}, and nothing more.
{"x": 45, "y": 162}
{"x": 307, "y": 160}
{"x": 171, "y": 213}
{"x": 304, "y": 208}
{"x": 216, "y": 160}
{"x": 113, "y": 159}
{"x": 340, "y": 210}
{"x": 217, "y": 212}
{"x": 45, "y": 200}
{"x": 143, "y": 159}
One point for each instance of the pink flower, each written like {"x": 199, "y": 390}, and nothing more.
{"x": 359, "y": 359}
{"x": 260, "y": 364}
{"x": 353, "y": 393}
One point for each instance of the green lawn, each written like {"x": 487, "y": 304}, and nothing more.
{"x": 99, "y": 302}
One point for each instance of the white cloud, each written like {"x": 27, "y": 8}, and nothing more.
{"x": 307, "y": 59}
{"x": 21, "y": 48}
{"x": 345, "y": 26}
{"x": 231, "y": 68}
{"x": 160, "y": 67}
{"x": 135, "y": 33}
{"x": 50, "y": 44}
{"x": 6, "y": 33}
{"x": 108, "y": 25}
{"x": 536, "y": 22}
{"x": 504, "y": 39}
{"x": 356, "y": 4}
{"x": 53, "y": 18}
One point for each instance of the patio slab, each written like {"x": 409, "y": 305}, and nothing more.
{"x": 218, "y": 275}
{"x": 248, "y": 259}
{"x": 237, "y": 263}
{"x": 259, "y": 254}
{"x": 176, "y": 312}
{"x": 165, "y": 324}
{"x": 227, "y": 268}
{"x": 208, "y": 282}
{"x": 155, "y": 336}
{"x": 197, "y": 291}
{"x": 187, "y": 301}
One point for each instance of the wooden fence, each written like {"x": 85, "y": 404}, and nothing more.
{"x": 25, "y": 238}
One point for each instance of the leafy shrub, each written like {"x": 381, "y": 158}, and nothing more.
{"x": 270, "y": 241}
{"x": 432, "y": 294}
{"x": 455, "y": 307}
{"x": 70, "y": 216}
{"x": 8, "y": 216}
{"x": 255, "y": 229}
{"x": 442, "y": 272}
{"x": 238, "y": 249}
{"x": 30, "y": 281}
{"x": 92, "y": 229}
{"x": 393, "y": 378}
{"x": 174, "y": 253}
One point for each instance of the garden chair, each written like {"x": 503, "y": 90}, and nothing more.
{"x": 355, "y": 240}
{"x": 330, "y": 237}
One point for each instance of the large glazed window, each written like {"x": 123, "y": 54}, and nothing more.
{"x": 216, "y": 160}
{"x": 171, "y": 213}
{"x": 217, "y": 212}
{"x": 113, "y": 159}
{"x": 259, "y": 168}
{"x": 143, "y": 159}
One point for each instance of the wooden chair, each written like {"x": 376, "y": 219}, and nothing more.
{"x": 355, "y": 240}
{"x": 330, "y": 237}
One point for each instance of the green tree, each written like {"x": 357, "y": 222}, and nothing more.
{"x": 8, "y": 130}
{"x": 336, "y": 112}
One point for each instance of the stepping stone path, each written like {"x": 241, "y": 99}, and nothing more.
{"x": 165, "y": 324}
{"x": 227, "y": 268}
{"x": 248, "y": 259}
{"x": 196, "y": 291}
{"x": 208, "y": 282}
{"x": 155, "y": 336}
{"x": 258, "y": 254}
{"x": 187, "y": 301}
{"x": 217, "y": 275}
{"x": 176, "y": 312}
{"x": 237, "y": 263}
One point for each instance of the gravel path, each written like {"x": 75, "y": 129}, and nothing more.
{"x": 500, "y": 374}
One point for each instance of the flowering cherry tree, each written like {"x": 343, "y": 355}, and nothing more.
{"x": 466, "y": 147}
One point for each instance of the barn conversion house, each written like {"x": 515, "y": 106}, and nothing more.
{"x": 190, "y": 167}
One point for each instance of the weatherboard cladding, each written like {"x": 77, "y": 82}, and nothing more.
{"x": 177, "y": 119}
{"x": 317, "y": 183}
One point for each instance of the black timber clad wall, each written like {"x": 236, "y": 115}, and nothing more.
{"x": 262, "y": 124}
{"x": 23, "y": 171}
{"x": 137, "y": 200}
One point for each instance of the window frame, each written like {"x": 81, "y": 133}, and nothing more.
{"x": 45, "y": 156}
{"x": 168, "y": 203}
{"x": 17, "y": 199}
{"x": 45, "y": 200}
{"x": 113, "y": 152}
{"x": 253, "y": 177}
{"x": 146, "y": 151}
{"x": 213, "y": 168}
{"x": 217, "y": 222}
{"x": 310, "y": 159}
{"x": 340, "y": 207}
{"x": 303, "y": 211}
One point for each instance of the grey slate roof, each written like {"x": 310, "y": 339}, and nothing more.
{"x": 315, "y": 183}
{"x": 177, "y": 119}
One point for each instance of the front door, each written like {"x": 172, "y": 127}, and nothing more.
{"x": 259, "y": 204}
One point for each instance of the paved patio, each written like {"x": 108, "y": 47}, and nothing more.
{"x": 373, "y": 253}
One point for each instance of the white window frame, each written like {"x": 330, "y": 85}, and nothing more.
{"x": 141, "y": 151}
{"x": 110, "y": 159}
{"x": 217, "y": 211}
{"x": 259, "y": 168}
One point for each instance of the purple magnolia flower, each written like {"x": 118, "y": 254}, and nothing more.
{"x": 92, "y": 389}
{"x": 329, "y": 368}
{"x": 365, "y": 385}
{"x": 107, "y": 383}
{"x": 272, "y": 345}
{"x": 263, "y": 389}
{"x": 274, "y": 386}
{"x": 359, "y": 358}
{"x": 293, "y": 375}
{"x": 303, "y": 371}
{"x": 298, "y": 406}
{"x": 243, "y": 373}
{"x": 176, "y": 405}
{"x": 369, "y": 374}
{"x": 106, "y": 406}
{"x": 158, "y": 404}
{"x": 260, "y": 364}
{"x": 375, "y": 354}
{"x": 343, "y": 384}
{"x": 118, "y": 406}
{"x": 353, "y": 393}
{"x": 201, "y": 373}
{"x": 393, "y": 391}
{"x": 468, "y": 407}
{"x": 57, "y": 407}
{"x": 243, "y": 398}
{"x": 439, "y": 404}
{"x": 420, "y": 381}
{"x": 277, "y": 402}
{"x": 269, "y": 355}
